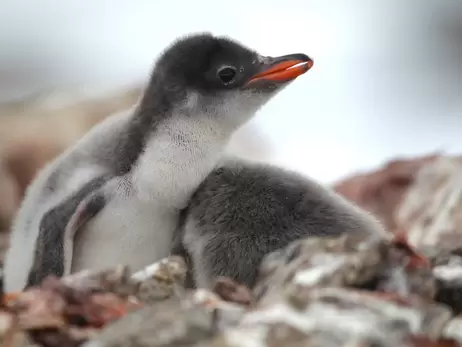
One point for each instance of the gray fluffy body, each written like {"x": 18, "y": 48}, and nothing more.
{"x": 243, "y": 211}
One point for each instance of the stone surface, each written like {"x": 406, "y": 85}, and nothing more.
{"x": 381, "y": 191}
{"x": 447, "y": 271}
{"x": 338, "y": 316}
{"x": 322, "y": 292}
{"x": 353, "y": 261}
{"x": 431, "y": 210}
{"x": 161, "y": 280}
{"x": 420, "y": 197}
{"x": 169, "y": 323}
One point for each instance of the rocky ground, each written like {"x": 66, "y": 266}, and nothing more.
{"x": 345, "y": 291}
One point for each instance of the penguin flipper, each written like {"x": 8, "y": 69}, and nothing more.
{"x": 85, "y": 211}
{"x": 54, "y": 245}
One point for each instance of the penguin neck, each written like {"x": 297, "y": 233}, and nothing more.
{"x": 182, "y": 149}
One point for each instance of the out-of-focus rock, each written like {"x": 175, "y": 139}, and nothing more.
{"x": 419, "y": 341}
{"x": 419, "y": 197}
{"x": 161, "y": 280}
{"x": 155, "y": 282}
{"x": 352, "y": 290}
{"x": 9, "y": 195}
{"x": 454, "y": 329}
{"x": 447, "y": 271}
{"x": 231, "y": 291}
{"x": 314, "y": 262}
{"x": 381, "y": 191}
{"x": 346, "y": 261}
{"x": 197, "y": 316}
{"x": 431, "y": 211}
{"x": 328, "y": 317}
{"x": 65, "y": 123}
{"x": 71, "y": 310}
{"x": 169, "y": 323}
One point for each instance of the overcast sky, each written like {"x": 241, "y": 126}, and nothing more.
{"x": 387, "y": 78}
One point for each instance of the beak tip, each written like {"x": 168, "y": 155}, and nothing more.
{"x": 309, "y": 62}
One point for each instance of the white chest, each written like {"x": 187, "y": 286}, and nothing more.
{"x": 176, "y": 160}
{"x": 125, "y": 232}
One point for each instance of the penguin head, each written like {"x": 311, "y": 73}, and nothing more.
{"x": 223, "y": 76}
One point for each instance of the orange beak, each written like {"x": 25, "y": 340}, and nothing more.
{"x": 282, "y": 69}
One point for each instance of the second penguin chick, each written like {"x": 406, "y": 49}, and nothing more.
{"x": 243, "y": 211}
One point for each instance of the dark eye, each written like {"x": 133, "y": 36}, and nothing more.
{"x": 226, "y": 74}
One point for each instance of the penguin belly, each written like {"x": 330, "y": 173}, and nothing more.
{"x": 126, "y": 232}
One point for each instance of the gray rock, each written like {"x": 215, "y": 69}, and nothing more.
{"x": 170, "y": 323}
{"x": 158, "y": 281}
{"x": 328, "y": 317}
{"x": 161, "y": 280}
{"x": 351, "y": 261}
{"x": 313, "y": 262}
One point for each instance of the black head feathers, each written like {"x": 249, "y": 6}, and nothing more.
{"x": 206, "y": 62}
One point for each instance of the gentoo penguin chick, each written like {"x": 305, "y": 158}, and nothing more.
{"x": 115, "y": 197}
{"x": 242, "y": 211}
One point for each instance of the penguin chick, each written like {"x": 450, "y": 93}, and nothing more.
{"x": 242, "y": 211}
{"x": 115, "y": 196}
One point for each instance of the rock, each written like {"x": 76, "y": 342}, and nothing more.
{"x": 352, "y": 298}
{"x": 319, "y": 261}
{"x": 9, "y": 196}
{"x": 431, "y": 210}
{"x": 229, "y": 290}
{"x": 117, "y": 280}
{"x": 447, "y": 271}
{"x": 348, "y": 261}
{"x": 419, "y": 341}
{"x": 39, "y": 309}
{"x": 405, "y": 271}
{"x": 454, "y": 329}
{"x": 10, "y": 333}
{"x": 226, "y": 313}
{"x": 71, "y": 310}
{"x": 336, "y": 317}
{"x": 161, "y": 280}
{"x": 7, "y": 322}
{"x": 168, "y": 323}
{"x": 20, "y": 339}
{"x": 158, "y": 281}
{"x": 419, "y": 197}
{"x": 381, "y": 191}
{"x": 197, "y": 316}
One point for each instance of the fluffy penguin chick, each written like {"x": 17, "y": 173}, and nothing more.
{"x": 243, "y": 211}
{"x": 115, "y": 197}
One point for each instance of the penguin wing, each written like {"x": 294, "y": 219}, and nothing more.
{"x": 54, "y": 246}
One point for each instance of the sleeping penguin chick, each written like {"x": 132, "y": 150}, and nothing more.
{"x": 115, "y": 197}
{"x": 242, "y": 211}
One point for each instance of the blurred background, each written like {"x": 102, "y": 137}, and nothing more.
{"x": 387, "y": 78}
